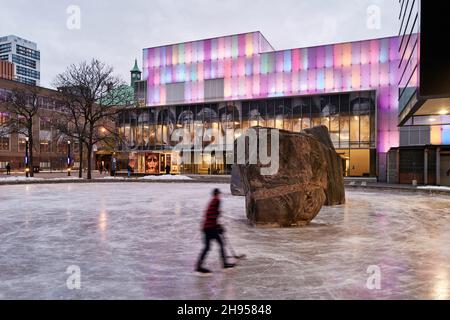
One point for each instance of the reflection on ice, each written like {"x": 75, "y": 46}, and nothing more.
{"x": 141, "y": 241}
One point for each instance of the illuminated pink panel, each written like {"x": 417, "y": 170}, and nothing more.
{"x": 241, "y": 66}
{"x": 221, "y": 48}
{"x": 248, "y": 44}
{"x": 235, "y": 87}
{"x": 248, "y": 87}
{"x": 200, "y": 72}
{"x": 271, "y": 84}
{"x": 356, "y": 77}
{"x": 287, "y": 85}
{"x": 393, "y": 48}
{"x": 221, "y": 68}
{"x": 241, "y": 45}
{"x": 320, "y": 57}
{"x": 207, "y": 69}
{"x": 374, "y": 51}
{"x": 338, "y": 84}
{"x": 162, "y": 94}
{"x": 279, "y": 62}
{"x": 365, "y": 77}
{"x": 257, "y": 64}
{"x": 234, "y": 68}
{"x": 384, "y": 74}
{"x": 207, "y": 50}
{"x": 356, "y": 53}
{"x": 295, "y": 86}
{"x": 393, "y": 73}
{"x": 188, "y": 53}
{"x": 174, "y": 54}
{"x": 227, "y": 88}
{"x": 347, "y": 78}
{"x": 303, "y": 81}
{"x": 157, "y": 75}
{"x": 347, "y": 54}
{"x": 169, "y": 55}
{"x": 365, "y": 52}
{"x": 312, "y": 80}
{"x": 256, "y": 85}
{"x": 227, "y": 68}
{"x": 329, "y": 79}
{"x": 374, "y": 75}
{"x": 295, "y": 60}
{"x": 242, "y": 88}
{"x": 279, "y": 82}
{"x": 338, "y": 50}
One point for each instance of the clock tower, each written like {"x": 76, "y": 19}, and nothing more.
{"x": 135, "y": 73}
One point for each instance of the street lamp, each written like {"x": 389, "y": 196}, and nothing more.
{"x": 69, "y": 160}
{"x": 27, "y": 167}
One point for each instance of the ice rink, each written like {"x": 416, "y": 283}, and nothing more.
{"x": 141, "y": 241}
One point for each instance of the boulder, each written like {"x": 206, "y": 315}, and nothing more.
{"x": 237, "y": 189}
{"x": 297, "y": 192}
{"x": 335, "y": 191}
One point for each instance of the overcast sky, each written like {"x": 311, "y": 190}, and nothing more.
{"x": 116, "y": 31}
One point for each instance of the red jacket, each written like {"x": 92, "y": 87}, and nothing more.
{"x": 212, "y": 214}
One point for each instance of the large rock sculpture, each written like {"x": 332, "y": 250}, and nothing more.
{"x": 237, "y": 189}
{"x": 335, "y": 191}
{"x": 309, "y": 176}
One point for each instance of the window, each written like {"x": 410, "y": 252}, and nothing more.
{"x": 28, "y": 72}
{"x": 24, "y": 61}
{"x": 27, "y": 52}
{"x": 4, "y": 143}
{"x": 5, "y": 48}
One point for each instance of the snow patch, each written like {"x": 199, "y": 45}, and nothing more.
{"x": 436, "y": 188}
{"x": 19, "y": 179}
{"x": 166, "y": 177}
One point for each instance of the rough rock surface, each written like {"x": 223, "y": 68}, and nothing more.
{"x": 237, "y": 189}
{"x": 295, "y": 195}
{"x": 335, "y": 191}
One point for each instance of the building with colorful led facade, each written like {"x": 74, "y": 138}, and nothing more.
{"x": 240, "y": 81}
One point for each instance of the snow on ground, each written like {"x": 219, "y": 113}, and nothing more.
{"x": 18, "y": 179}
{"x": 434, "y": 188}
{"x": 141, "y": 241}
{"x": 166, "y": 177}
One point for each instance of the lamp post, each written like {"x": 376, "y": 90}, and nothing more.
{"x": 69, "y": 159}
{"x": 27, "y": 165}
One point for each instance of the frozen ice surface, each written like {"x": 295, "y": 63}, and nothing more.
{"x": 141, "y": 241}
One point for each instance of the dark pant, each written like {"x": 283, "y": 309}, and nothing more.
{"x": 212, "y": 235}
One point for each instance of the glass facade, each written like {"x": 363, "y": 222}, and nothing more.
{"x": 150, "y": 135}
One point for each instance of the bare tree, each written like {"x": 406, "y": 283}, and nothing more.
{"x": 94, "y": 98}
{"x": 23, "y": 106}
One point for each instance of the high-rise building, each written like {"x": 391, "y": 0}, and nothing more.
{"x": 24, "y": 55}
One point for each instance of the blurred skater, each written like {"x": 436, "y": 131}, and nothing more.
{"x": 8, "y": 169}
{"x": 212, "y": 231}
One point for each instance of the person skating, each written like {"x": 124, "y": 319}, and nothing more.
{"x": 8, "y": 169}
{"x": 213, "y": 231}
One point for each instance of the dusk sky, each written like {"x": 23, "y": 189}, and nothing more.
{"x": 117, "y": 31}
